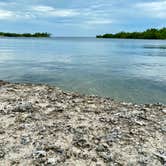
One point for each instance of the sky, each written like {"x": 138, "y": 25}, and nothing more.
{"x": 81, "y": 17}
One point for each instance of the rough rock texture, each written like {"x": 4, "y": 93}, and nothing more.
{"x": 42, "y": 125}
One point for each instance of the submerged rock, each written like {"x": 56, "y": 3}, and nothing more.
{"x": 42, "y": 125}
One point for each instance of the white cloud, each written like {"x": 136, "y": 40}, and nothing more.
{"x": 50, "y": 11}
{"x": 155, "y": 9}
{"x": 31, "y": 12}
{"x": 99, "y": 21}
{"x": 5, "y": 14}
{"x": 14, "y": 15}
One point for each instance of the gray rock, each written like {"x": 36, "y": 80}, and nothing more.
{"x": 102, "y": 148}
{"x": 161, "y": 157}
{"x": 107, "y": 157}
{"x": 25, "y": 140}
{"x": 2, "y": 153}
{"x": 39, "y": 154}
{"x": 23, "y": 107}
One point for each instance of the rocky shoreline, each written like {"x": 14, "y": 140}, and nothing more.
{"x": 43, "y": 125}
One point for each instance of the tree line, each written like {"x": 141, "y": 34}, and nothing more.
{"x": 38, "y": 34}
{"x": 148, "y": 34}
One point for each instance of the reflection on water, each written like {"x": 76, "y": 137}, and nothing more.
{"x": 155, "y": 47}
{"x": 122, "y": 69}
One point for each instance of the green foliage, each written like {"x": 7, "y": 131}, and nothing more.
{"x": 38, "y": 34}
{"x": 148, "y": 34}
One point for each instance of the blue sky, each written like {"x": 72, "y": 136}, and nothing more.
{"x": 81, "y": 17}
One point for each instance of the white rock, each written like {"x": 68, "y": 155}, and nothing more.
{"x": 164, "y": 111}
{"x": 51, "y": 161}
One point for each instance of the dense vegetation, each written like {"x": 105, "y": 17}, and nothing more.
{"x": 148, "y": 34}
{"x": 38, "y": 34}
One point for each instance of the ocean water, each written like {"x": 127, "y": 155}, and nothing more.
{"x": 125, "y": 70}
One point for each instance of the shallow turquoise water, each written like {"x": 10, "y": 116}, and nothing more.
{"x": 129, "y": 70}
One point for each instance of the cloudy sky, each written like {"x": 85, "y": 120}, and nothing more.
{"x": 81, "y": 17}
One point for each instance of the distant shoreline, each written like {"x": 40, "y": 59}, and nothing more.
{"x": 37, "y": 34}
{"x": 158, "y": 34}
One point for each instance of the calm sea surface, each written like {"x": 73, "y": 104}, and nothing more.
{"x": 128, "y": 70}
